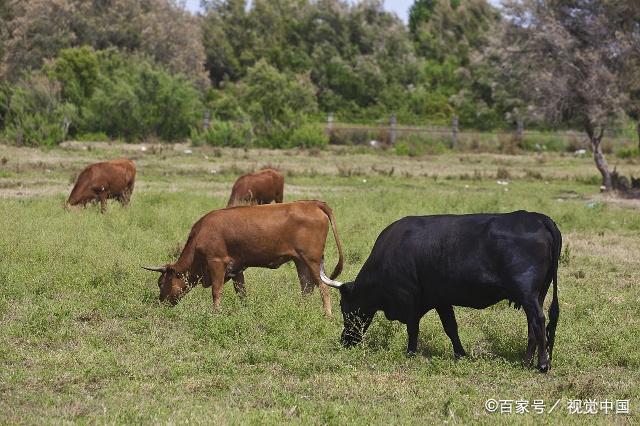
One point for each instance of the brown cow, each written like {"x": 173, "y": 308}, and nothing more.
{"x": 261, "y": 187}
{"x": 223, "y": 243}
{"x": 101, "y": 181}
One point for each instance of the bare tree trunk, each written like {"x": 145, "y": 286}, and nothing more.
{"x": 598, "y": 156}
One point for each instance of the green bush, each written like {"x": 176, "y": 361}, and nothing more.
{"x": 628, "y": 152}
{"x": 225, "y": 133}
{"x": 135, "y": 99}
{"x": 276, "y": 103}
{"x": 35, "y": 113}
{"x": 544, "y": 142}
{"x": 416, "y": 145}
{"x": 93, "y": 137}
{"x": 77, "y": 70}
{"x": 309, "y": 136}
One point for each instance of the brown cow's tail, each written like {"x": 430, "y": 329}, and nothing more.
{"x": 327, "y": 210}
{"x": 554, "y": 309}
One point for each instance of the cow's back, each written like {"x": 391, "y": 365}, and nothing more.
{"x": 262, "y": 186}
{"x": 422, "y": 261}
{"x": 257, "y": 232}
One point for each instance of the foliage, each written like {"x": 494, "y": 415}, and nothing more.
{"x": 160, "y": 29}
{"x": 77, "y": 71}
{"x": 225, "y": 133}
{"x": 134, "y": 99}
{"x": 359, "y": 59}
{"x": 569, "y": 56}
{"x": 35, "y": 112}
{"x": 276, "y": 103}
{"x": 309, "y": 136}
{"x": 84, "y": 92}
{"x": 628, "y": 152}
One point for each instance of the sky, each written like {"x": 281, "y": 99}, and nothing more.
{"x": 400, "y": 7}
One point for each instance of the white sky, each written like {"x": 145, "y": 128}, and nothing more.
{"x": 400, "y": 7}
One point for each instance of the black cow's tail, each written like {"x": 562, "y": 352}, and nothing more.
{"x": 554, "y": 309}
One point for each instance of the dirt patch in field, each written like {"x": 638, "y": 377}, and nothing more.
{"x": 629, "y": 203}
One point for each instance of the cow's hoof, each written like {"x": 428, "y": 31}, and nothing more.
{"x": 411, "y": 354}
{"x": 459, "y": 355}
{"x": 544, "y": 368}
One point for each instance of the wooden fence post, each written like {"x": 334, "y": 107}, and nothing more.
{"x": 329, "y": 123}
{"x": 454, "y": 131}
{"x": 206, "y": 119}
{"x": 519, "y": 129}
{"x": 392, "y": 129}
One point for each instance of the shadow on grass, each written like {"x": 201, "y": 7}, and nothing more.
{"x": 509, "y": 347}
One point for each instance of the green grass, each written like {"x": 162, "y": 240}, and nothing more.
{"x": 83, "y": 339}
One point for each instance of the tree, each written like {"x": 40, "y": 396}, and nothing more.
{"x": 454, "y": 28}
{"x": 623, "y": 18}
{"x": 452, "y": 36}
{"x": 359, "y": 57}
{"x": 569, "y": 57}
{"x": 162, "y": 29}
{"x": 36, "y": 113}
{"x": 277, "y": 103}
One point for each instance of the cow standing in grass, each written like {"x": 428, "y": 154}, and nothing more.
{"x": 261, "y": 187}
{"x": 437, "y": 262}
{"x": 101, "y": 181}
{"x": 223, "y": 243}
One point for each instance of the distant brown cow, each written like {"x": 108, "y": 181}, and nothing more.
{"x": 223, "y": 243}
{"x": 101, "y": 181}
{"x": 261, "y": 187}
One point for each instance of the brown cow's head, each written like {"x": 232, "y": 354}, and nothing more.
{"x": 173, "y": 285}
{"x": 83, "y": 193}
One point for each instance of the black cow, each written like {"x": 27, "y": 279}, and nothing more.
{"x": 421, "y": 263}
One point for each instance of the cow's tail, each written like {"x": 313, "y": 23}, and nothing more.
{"x": 554, "y": 309}
{"x": 327, "y": 210}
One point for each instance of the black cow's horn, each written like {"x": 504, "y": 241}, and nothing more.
{"x": 328, "y": 281}
{"x": 160, "y": 269}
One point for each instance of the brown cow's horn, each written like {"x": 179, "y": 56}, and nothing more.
{"x": 160, "y": 269}
{"x": 328, "y": 281}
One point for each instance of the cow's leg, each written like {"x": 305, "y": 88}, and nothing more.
{"x": 304, "y": 275}
{"x": 535, "y": 318}
{"x": 238, "y": 285}
{"x": 103, "y": 202}
{"x": 531, "y": 345}
{"x": 413, "y": 327}
{"x": 448, "y": 319}
{"x": 128, "y": 193}
{"x": 215, "y": 276}
{"x": 309, "y": 275}
{"x": 124, "y": 197}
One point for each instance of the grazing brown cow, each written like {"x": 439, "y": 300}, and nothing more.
{"x": 261, "y": 187}
{"x": 223, "y": 243}
{"x": 101, "y": 181}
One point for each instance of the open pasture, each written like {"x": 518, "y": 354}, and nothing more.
{"x": 83, "y": 339}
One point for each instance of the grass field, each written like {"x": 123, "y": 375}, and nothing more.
{"x": 83, "y": 338}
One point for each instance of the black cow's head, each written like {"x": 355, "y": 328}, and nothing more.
{"x": 356, "y": 320}
{"x": 172, "y": 284}
{"x": 355, "y": 317}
